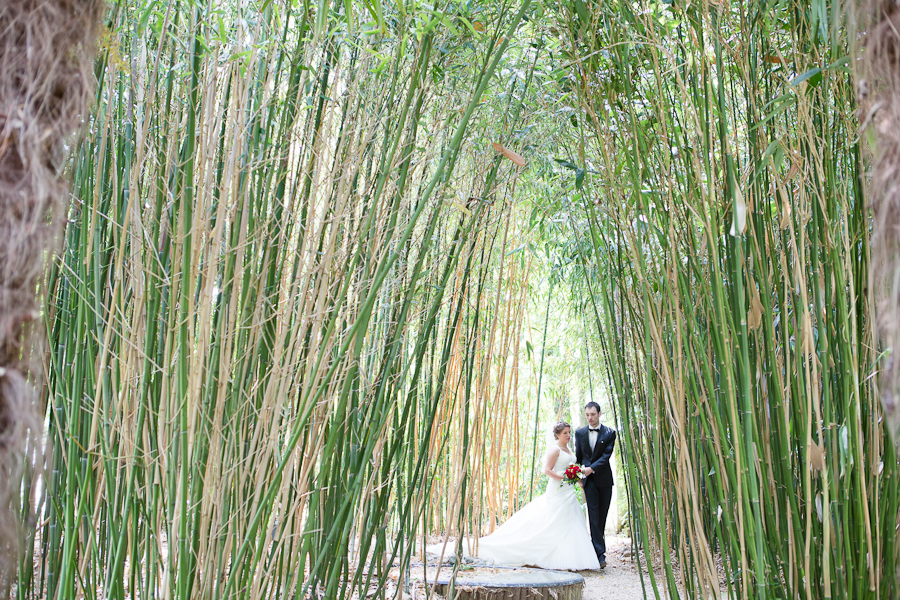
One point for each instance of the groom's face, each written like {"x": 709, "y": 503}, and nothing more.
{"x": 593, "y": 416}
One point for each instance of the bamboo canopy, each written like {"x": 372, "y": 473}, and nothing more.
{"x": 329, "y": 270}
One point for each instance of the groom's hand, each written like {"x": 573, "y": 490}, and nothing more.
{"x": 588, "y": 471}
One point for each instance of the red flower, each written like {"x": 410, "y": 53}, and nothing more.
{"x": 573, "y": 474}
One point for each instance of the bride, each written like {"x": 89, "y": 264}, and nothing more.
{"x": 549, "y": 532}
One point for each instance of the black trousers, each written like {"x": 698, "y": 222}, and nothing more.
{"x": 598, "y": 500}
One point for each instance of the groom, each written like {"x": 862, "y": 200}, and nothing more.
{"x": 593, "y": 449}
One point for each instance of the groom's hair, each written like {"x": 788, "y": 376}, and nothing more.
{"x": 593, "y": 405}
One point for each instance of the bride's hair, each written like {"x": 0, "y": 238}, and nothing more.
{"x": 558, "y": 428}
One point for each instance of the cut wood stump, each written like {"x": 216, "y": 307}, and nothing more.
{"x": 503, "y": 583}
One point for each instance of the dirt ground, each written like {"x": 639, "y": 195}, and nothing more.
{"x": 620, "y": 580}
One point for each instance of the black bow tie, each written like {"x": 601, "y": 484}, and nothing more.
{"x": 597, "y": 430}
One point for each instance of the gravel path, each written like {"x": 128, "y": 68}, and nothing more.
{"x": 620, "y": 579}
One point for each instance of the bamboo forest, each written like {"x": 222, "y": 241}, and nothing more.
{"x": 295, "y": 289}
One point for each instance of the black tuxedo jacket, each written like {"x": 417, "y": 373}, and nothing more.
{"x": 598, "y": 459}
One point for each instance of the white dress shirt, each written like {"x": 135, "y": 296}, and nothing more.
{"x": 592, "y": 437}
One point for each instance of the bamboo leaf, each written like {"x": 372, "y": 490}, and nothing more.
{"x": 813, "y": 76}
{"x": 754, "y": 318}
{"x": 739, "y": 214}
{"x": 516, "y": 158}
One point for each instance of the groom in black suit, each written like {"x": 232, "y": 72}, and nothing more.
{"x": 593, "y": 449}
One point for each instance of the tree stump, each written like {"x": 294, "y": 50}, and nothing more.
{"x": 499, "y": 583}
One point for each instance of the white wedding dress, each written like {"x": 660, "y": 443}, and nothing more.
{"x": 550, "y": 532}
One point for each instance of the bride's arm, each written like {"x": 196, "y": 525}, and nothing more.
{"x": 549, "y": 462}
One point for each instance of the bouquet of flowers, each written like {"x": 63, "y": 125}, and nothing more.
{"x": 573, "y": 474}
